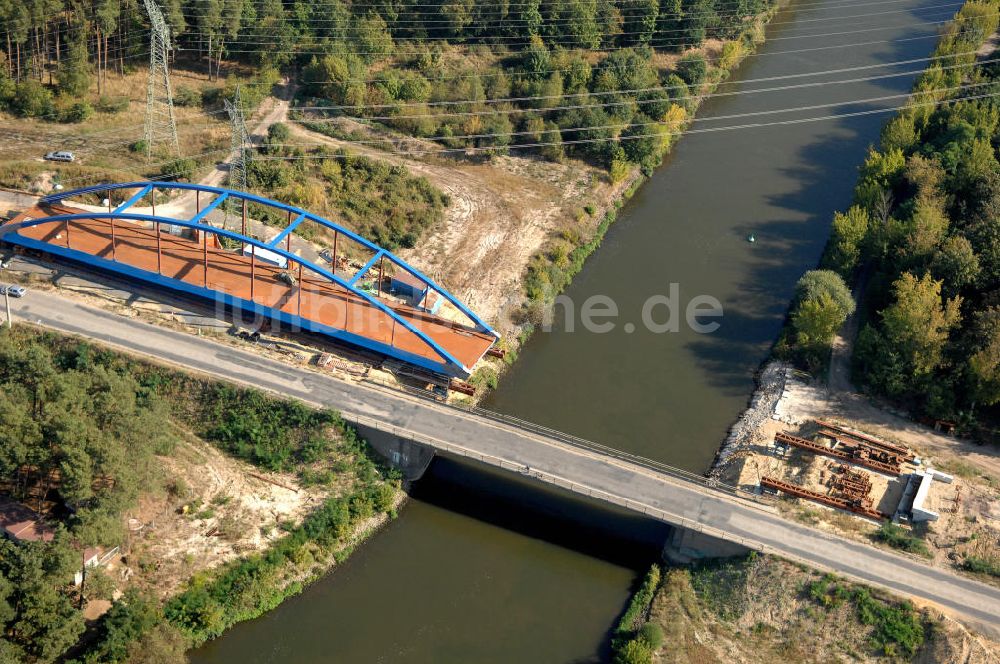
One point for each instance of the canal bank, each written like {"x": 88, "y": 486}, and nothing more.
{"x": 479, "y": 567}
{"x": 671, "y": 396}
{"x": 440, "y": 585}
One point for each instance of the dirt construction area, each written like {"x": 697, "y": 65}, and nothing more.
{"x": 965, "y": 504}
{"x": 501, "y": 213}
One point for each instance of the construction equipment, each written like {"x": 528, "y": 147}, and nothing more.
{"x": 904, "y": 453}
{"x": 858, "y": 455}
{"x": 861, "y": 506}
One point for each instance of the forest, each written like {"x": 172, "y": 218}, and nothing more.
{"x": 84, "y": 429}
{"x": 922, "y": 244}
{"x": 601, "y": 79}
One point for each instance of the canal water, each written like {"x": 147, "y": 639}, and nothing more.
{"x": 479, "y": 568}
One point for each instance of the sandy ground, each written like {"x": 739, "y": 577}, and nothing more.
{"x": 214, "y": 509}
{"x": 501, "y": 213}
{"x": 968, "y": 508}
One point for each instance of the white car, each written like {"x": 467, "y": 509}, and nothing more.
{"x": 61, "y": 155}
{"x": 14, "y": 291}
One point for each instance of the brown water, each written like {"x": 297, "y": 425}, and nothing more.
{"x": 474, "y": 572}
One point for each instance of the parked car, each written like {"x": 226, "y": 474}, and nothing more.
{"x": 61, "y": 155}
{"x": 14, "y": 291}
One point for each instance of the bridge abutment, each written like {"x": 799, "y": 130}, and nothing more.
{"x": 685, "y": 546}
{"x": 410, "y": 458}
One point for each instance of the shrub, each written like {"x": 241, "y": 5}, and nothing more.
{"x": 278, "y": 133}
{"x": 112, "y": 105}
{"x": 897, "y": 538}
{"x": 179, "y": 169}
{"x": 652, "y": 634}
{"x": 898, "y": 629}
{"x": 187, "y": 96}
{"x": 636, "y": 651}
{"x": 982, "y": 565}
{"x": 639, "y": 605}
{"x": 485, "y": 377}
{"x": 8, "y": 90}
{"x": 76, "y": 112}
{"x": 692, "y": 68}
{"x": 32, "y": 99}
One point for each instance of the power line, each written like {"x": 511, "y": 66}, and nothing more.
{"x": 641, "y": 102}
{"x": 477, "y": 21}
{"x": 466, "y": 150}
{"x": 950, "y": 6}
{"x": 834, "y": 116}
{"x": 811, "y": 74}
{"x": 663, "y": 123}
{"x": 658, "y": 88}
{"x": 599, "y": 66}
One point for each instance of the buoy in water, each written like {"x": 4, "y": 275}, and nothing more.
{"x": 751, "y": 238}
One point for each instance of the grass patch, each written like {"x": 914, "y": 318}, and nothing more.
{"x": 978, "y": 565}
{"x": 898, "y": 629}
{"x": 897, "y": 537}
{"x": 721, "y": 584}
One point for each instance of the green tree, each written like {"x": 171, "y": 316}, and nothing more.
{"x": 370, "y": 35}
{"x": 849, "y": 232}
{"x": 45, "y": 623}
{"x": 643, "y": 141}
{"x": 984, "y": 358}
{"x": 880, "y": 172}
{"x": 822, "y": 304}
{"x": 956, "y": 264}
{"x": 919, "y": 322}
{"x": 925, "y": 231}
{"x": 74, "y": 74}
{"x": 640, "y": 23}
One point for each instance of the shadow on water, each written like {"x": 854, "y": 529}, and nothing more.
{"x": 530, "y": 508}
{"x": 824, "y": 185}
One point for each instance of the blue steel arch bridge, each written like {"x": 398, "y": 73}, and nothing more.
{"x": 354, "y": 292}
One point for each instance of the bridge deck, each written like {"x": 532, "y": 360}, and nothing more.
{"x": 544, "y": 455}
{"x": 314, "y": 298}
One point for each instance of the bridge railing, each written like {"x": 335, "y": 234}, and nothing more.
{"x": 561, "y": 482}
{"x": 582, "y": 444}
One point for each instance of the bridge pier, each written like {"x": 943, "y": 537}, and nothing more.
{"x": 685, "y": 546}
{"x": 410, "y": 458}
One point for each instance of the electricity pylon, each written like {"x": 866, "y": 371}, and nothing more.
{"x": 160, "y": 124}
{"x": 241, "y": 149}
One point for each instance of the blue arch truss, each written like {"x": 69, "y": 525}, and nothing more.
{"x": 443, "y": 360}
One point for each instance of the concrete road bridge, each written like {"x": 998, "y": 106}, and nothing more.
{"x": 423, "y": 427}
{"x": 400, "y": 313}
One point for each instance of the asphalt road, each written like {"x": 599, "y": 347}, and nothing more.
{"x": 687, "y": 503}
